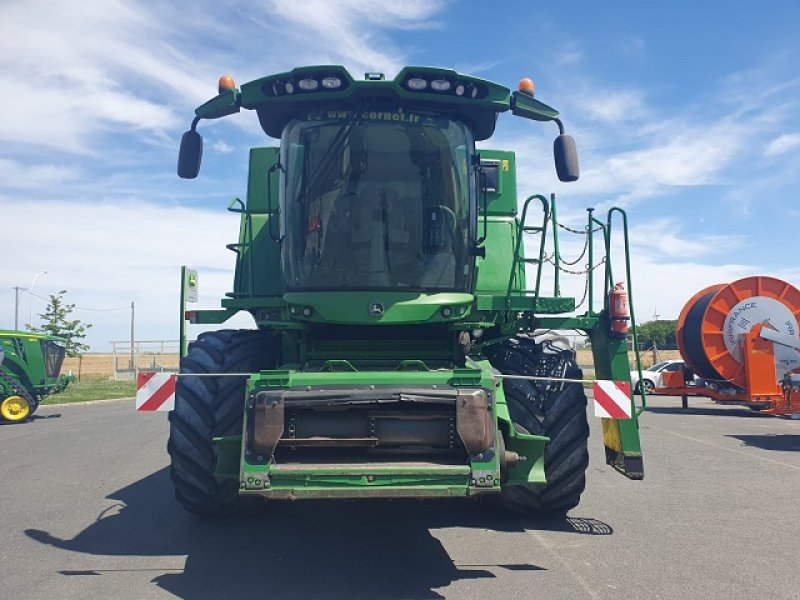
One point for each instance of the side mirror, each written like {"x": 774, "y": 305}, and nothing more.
{"x": 566, "y": 157}
{"x": 190, "y": 155}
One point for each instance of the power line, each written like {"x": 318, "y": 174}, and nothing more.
{"x": 83, "y": 307}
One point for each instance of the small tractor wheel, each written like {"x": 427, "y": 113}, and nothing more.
{"x": 16, "y": 408}
{"x": 554, "y": 409}
{"x": 208, "y": 407}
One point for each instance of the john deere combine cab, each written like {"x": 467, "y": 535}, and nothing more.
{"x": 382, "y": 258}
{"x": 30, "y": 368}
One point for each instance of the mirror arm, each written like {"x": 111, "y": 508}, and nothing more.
{"x": 195, "y": 121}
{"x": 560, "y": 126}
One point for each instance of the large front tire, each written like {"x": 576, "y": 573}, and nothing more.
{"x": 554, "y": 409}
{"x": 208, "y": 407}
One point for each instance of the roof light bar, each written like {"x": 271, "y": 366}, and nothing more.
{"x": 444, "y": 85}
{"x": 304, "y": 83}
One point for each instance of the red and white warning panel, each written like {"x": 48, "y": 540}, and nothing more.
{"x": 155, "y": 391}
{"x": 612, "y": 399}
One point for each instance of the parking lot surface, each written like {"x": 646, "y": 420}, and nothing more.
{"x": 87, "y": 512}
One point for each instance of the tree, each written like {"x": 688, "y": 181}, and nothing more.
{"x": 56, "y": 321}
{"x": 660, "y": 333}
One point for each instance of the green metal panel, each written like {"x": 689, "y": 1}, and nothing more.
{"x": 361, "y": 307}
{"x": 495, "y": 269}
{"x": 337, "y": 480}
{"x": 261, "y": 159}
{"x": 258, "y": 271}
{"x": 227, "y": 103}
{"x": 620, "y": 437}
{"x": 504, "y": 200}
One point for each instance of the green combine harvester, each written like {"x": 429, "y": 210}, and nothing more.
{"x": 397, "y": 351}
{"x": 30, "y": 368}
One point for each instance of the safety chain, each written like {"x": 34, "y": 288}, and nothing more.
{"x": 585, "y": 247}
{"x": 575, "y": 231}
{"x": 584, "y": 272}
{"x": 585, "y": 292}
{"x": 586, "y": 283}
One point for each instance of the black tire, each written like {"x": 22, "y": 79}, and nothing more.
{"x": 554, "y": 409}
{"x": 207, "y": 407}
{"x": 649, "y": 386}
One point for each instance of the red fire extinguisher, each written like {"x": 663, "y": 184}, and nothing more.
{"x": 618, "y": 311}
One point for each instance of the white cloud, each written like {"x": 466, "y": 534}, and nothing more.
{"x": 570, "y": 54}
{"x": 667, "y": 157}
{"x": 18, "y": 175}
{"x": 118, "y": 252}
{"x": 351, "y": 31}
{"x": 633, "y": 45}
{"x": 221, "y": 147}
{"x": 782, "y": 144}
{"x": 80, "y": 68}
{"x": 666, "y": 237}
{"x": 613, "y": 106}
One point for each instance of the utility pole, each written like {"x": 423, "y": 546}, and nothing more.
{"x": 133, "y": 337}
{"x": 17, "y": 291}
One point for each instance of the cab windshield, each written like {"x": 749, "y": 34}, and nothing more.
{"x": 377, "y": 199}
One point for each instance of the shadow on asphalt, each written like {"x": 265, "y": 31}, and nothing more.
{"x": 330, "y": 549}
{"x": 723, "y": 411}
{"x": 29, "y": 420}
{"x": 38, "y": 417}
{"x": 785, "y": 443}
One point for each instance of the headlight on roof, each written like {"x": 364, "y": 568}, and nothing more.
{"x": 417, "y": 83}
{"x": 308, "y": 84}
{"x": 331, "y": 83}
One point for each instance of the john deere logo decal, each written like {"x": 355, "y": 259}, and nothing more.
{"x": 376, "y": 309}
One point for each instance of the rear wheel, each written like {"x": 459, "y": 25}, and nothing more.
{"x": 554, "y": 409}
{"x": 208, "y": 407}
{"x": 16, "y": 408}
{"x": 648, "y": 385}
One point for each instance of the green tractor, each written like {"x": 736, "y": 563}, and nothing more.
{"x": 30, "y": 368}
{"x": 398, "y": 349}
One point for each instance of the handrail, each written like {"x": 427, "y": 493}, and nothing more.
{"x": 590, "y": 274}
{"x": 521, "y": 229}
{"x": 247, "y": 245}
{"x": 556, "y": 252}
{"x": 606, "y": 247}
{"x": 629, "y": 289}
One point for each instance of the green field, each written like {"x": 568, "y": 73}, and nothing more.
{"x": 88, "y": 390}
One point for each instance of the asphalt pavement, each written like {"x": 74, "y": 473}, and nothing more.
{"x": 86, "y": 511}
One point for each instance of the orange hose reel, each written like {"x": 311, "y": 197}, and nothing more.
{"x": 713, "y": 322}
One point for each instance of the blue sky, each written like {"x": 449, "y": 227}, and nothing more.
{"x": 685, "y": 114}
